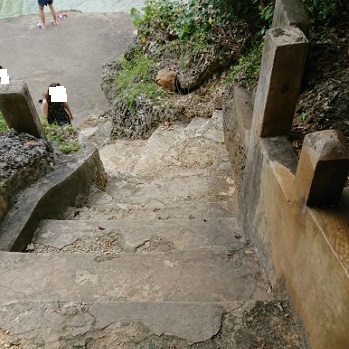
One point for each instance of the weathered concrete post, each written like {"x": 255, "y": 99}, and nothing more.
{"x": 284, "y": 56}
{"x": 18, "y": 109}
{"x": 290, "y": 12}
{"x": 322, "y": 169}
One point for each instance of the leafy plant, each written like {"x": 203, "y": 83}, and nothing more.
{"x": 303, "y": 116}
{"x": 322, "y": 12}
{"x": 181, "y": 19}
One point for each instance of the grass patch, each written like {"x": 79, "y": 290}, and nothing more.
{"x": 3, "y": 124}
{"x": 134, "y": 81}
{"x": 63, "y": 136}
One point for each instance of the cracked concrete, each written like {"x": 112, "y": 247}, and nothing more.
{"x": 121, "y": 325}
{"x": 157, "y": 260}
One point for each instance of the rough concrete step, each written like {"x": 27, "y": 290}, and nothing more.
{"x": 195, "y": 276}
{"x": 153, "y": 325}
{"x": 134, "y": 193}
{"x": 199, "y": 147}
{"x": 144, "y": 191}
{"x": 55, "y": 321}
{"x": 172, "y": 151}
{"x": 203, "y": 210}
{"x": 136, "y": 236}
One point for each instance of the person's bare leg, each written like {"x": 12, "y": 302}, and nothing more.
{"x": 54, "y": 14}
{"x": 42, "y": 17}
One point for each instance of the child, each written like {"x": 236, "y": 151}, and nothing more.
{"x": 56, "y": 112}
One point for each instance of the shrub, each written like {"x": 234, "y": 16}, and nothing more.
{"x": 186, "y": 18}
{"x": 323, "y": 12}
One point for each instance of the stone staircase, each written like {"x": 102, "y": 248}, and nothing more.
{"x": 157, "y": 260}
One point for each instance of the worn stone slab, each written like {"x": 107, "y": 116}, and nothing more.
{"x": 149, "y": 192}
{"x": 172, "y": 151}
{"x": 52, "y": 322}
{"x": 130, "y": 235}
{"x": 121, "y": 156}
{"x": 162, "y": 198}
{"x": 237, "y": 118}
{"x": 204, "y": 210}
{"x": 205, "y": 275}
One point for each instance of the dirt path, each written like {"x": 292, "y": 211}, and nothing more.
{"x": 72, "y": 54}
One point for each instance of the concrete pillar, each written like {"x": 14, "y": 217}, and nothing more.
{"x": 291, "y": 12}
{"x": 18, "y": 109}
{"x": 284, "y": 56}
{"x": 322, "y": 169}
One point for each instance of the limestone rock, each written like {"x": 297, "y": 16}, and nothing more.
{"x": 166, "y": 78}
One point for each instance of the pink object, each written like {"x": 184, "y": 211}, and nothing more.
{"x": 62, "y": 15}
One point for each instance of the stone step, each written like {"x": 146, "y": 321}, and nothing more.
{"x": 134, "y": 193}
{"x": 176, "y": 151}
{"x": 152, "y": 325}
{"x": 49, "y": 322}
{"x": 144, "y": 191}
{"x": 203, "y": 210}
{"x": 172, "y": 151}
{"x": 205, "y": 275}
{"x": 136, "y": 236}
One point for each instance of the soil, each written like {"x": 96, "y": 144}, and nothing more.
{"x": 324, "y": 101}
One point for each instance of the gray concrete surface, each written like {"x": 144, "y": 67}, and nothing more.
{"x": 147, "y": 280}
{"x": 203, "y": 275}
{"x": 137, "y": 235}
{"x": 72, "y": 53}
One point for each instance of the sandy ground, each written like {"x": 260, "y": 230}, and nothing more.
{"x": 72, "y": 53}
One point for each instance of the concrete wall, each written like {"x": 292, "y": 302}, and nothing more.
{"x": 295, "y": 210}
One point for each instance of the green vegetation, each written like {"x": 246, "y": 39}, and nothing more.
{"x": 63, "y": 136}
{"x": 246, "y": 71}
{"x": 323, "y": 12}
{"x": 182, "y": 19}
{"x": 197, "y": 18}
{"x": 193, "y": 25}
{"x": 193, "y": 21}
{"x": 3, "y": 124}
{"x": 133, "y": 80}
{"x": 320, "y": 13}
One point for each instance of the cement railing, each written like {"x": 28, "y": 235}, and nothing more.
{"x": 296, "y": 210}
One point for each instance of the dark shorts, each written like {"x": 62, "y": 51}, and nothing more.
{"x": 42, "y": 3}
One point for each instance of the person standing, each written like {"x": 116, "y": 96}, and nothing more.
{"x": 41, "y": 4}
